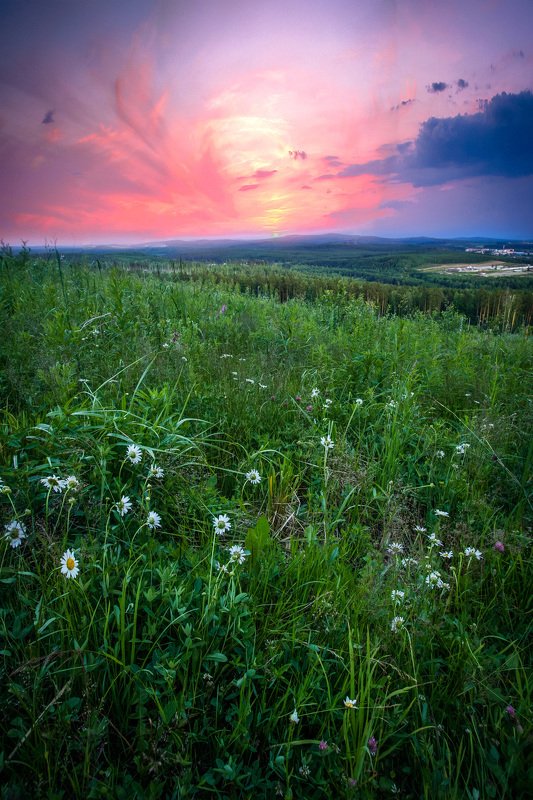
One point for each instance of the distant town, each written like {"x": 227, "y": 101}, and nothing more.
{"x": 506, "y": 251}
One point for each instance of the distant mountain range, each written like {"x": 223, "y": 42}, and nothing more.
{"x": 276, "y": 247}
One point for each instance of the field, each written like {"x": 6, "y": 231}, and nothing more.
{"x": 484, "y": 269}
{"x": 256, "y": 548}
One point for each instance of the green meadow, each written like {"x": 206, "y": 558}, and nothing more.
{"x": 259, "y": 549}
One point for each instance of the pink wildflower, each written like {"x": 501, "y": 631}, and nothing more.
{"x": 499, "y": 547}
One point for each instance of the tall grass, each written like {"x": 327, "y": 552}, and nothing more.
{"x": 359, "y": 629}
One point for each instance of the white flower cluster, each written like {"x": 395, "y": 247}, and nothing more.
{"x": 434, "y": 581}
{"x": 56, "y": 484}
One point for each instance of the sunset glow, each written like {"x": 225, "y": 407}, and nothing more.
{"x": 129, "y": 121}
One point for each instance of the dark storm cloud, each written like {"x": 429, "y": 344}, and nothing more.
{"x": 495, "y": 141}
{"x": 461, "y": 84}
{"x": 436, "y": 87}
{"x": 48, "y": 118}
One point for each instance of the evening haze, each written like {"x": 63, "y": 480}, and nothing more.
{"x": 132, "y": 120}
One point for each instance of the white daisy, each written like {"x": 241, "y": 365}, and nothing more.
{"x": 69, "y": 565}
{"x": 156, "y": 472}
{"x": 350, "y": 703}
{"x": 397, "y": 595}
{"x": 327, "y": 442}
{"x": 124, "y": 505}
{"x": 462, "y": 448}
{"x": 420, "y": 529}
{"x": 314, "y": 393}
{"x": 253, "y": 476}
{"x": 327, "y": 402}
{"x": 396, "y": 624}
{"x": 53, "y": 483}
{"x": 15, "y": 532}
{"x": 221, "y": 524}
{"x": 134, "y": 454}
{"x": 409, "y": 562}
{"x": 237, "y": 553}
{"x": 432, "y": 539}
{"x": 446, "y": 554}
{"x": 471, "y": 551}
{"x": 71, "y": 482}
{"x": 153, "y": 520}
{"x": 439, "y": 513}
{"x": 395, "y": 548}
{"x": 440, "y": 453}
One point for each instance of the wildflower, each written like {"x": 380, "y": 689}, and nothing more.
{"x": 397, "y": 595}
{"x": 314, "y": 393}
{"x": 223, "y": 309}
{"x": 226, "y": 355}
{"x": 4, "y": 489}
{"x": 237, "y": 554}
{"x": 408, "y": 562}
{"x": 304, "y": 771}
{"x": 221, "y": 567}
{"x": 439, "y": 513}
{"x": 221, "y": 524}
{"x": 327, "y": 402}
{"x": 440, "y": 453}
{"x": 462, "y": 448}
{"x": 134, "y": 454}
{"x": 511, "y": 711}
{"x": 499, "y": 547}
{"x": 323, "y": 745}
{"x": 396, "y": 624}
{"x": 420, "y": 529}
{"x": 326, "y": 442}
{"x": 15, "y": 532}
{"x": 71, "y": 482}
{"x": 253, "y": 477}
{"x": 309, "y": 408}
{"x": 432, "y": 539}
{"x": 395, "y": 548}
{"x": 350, "y": 703}
{"x": 153, "y": 520}
{"x": 156, "y": 472}
{"x": 298, "y": 398}
{"x": 124, "y": 505}
{"x": 392, "y": 404}
{"x": 372, "y": 745}
{"x": 358, "y": 401}
{"x": 471, "y": 551}
{"x": 69, "y": 565}
{"x": 446, "y": 554}
{"x": 52, "y": 482}
{"x": 166, "y": 345}
{"x": 294, "y": 717}
{"x": 434, "y": 581}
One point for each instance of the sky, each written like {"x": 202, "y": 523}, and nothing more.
{"x": 126, "y": 121}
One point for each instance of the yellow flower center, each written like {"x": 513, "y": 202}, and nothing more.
{"x": 70, "y": 563}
